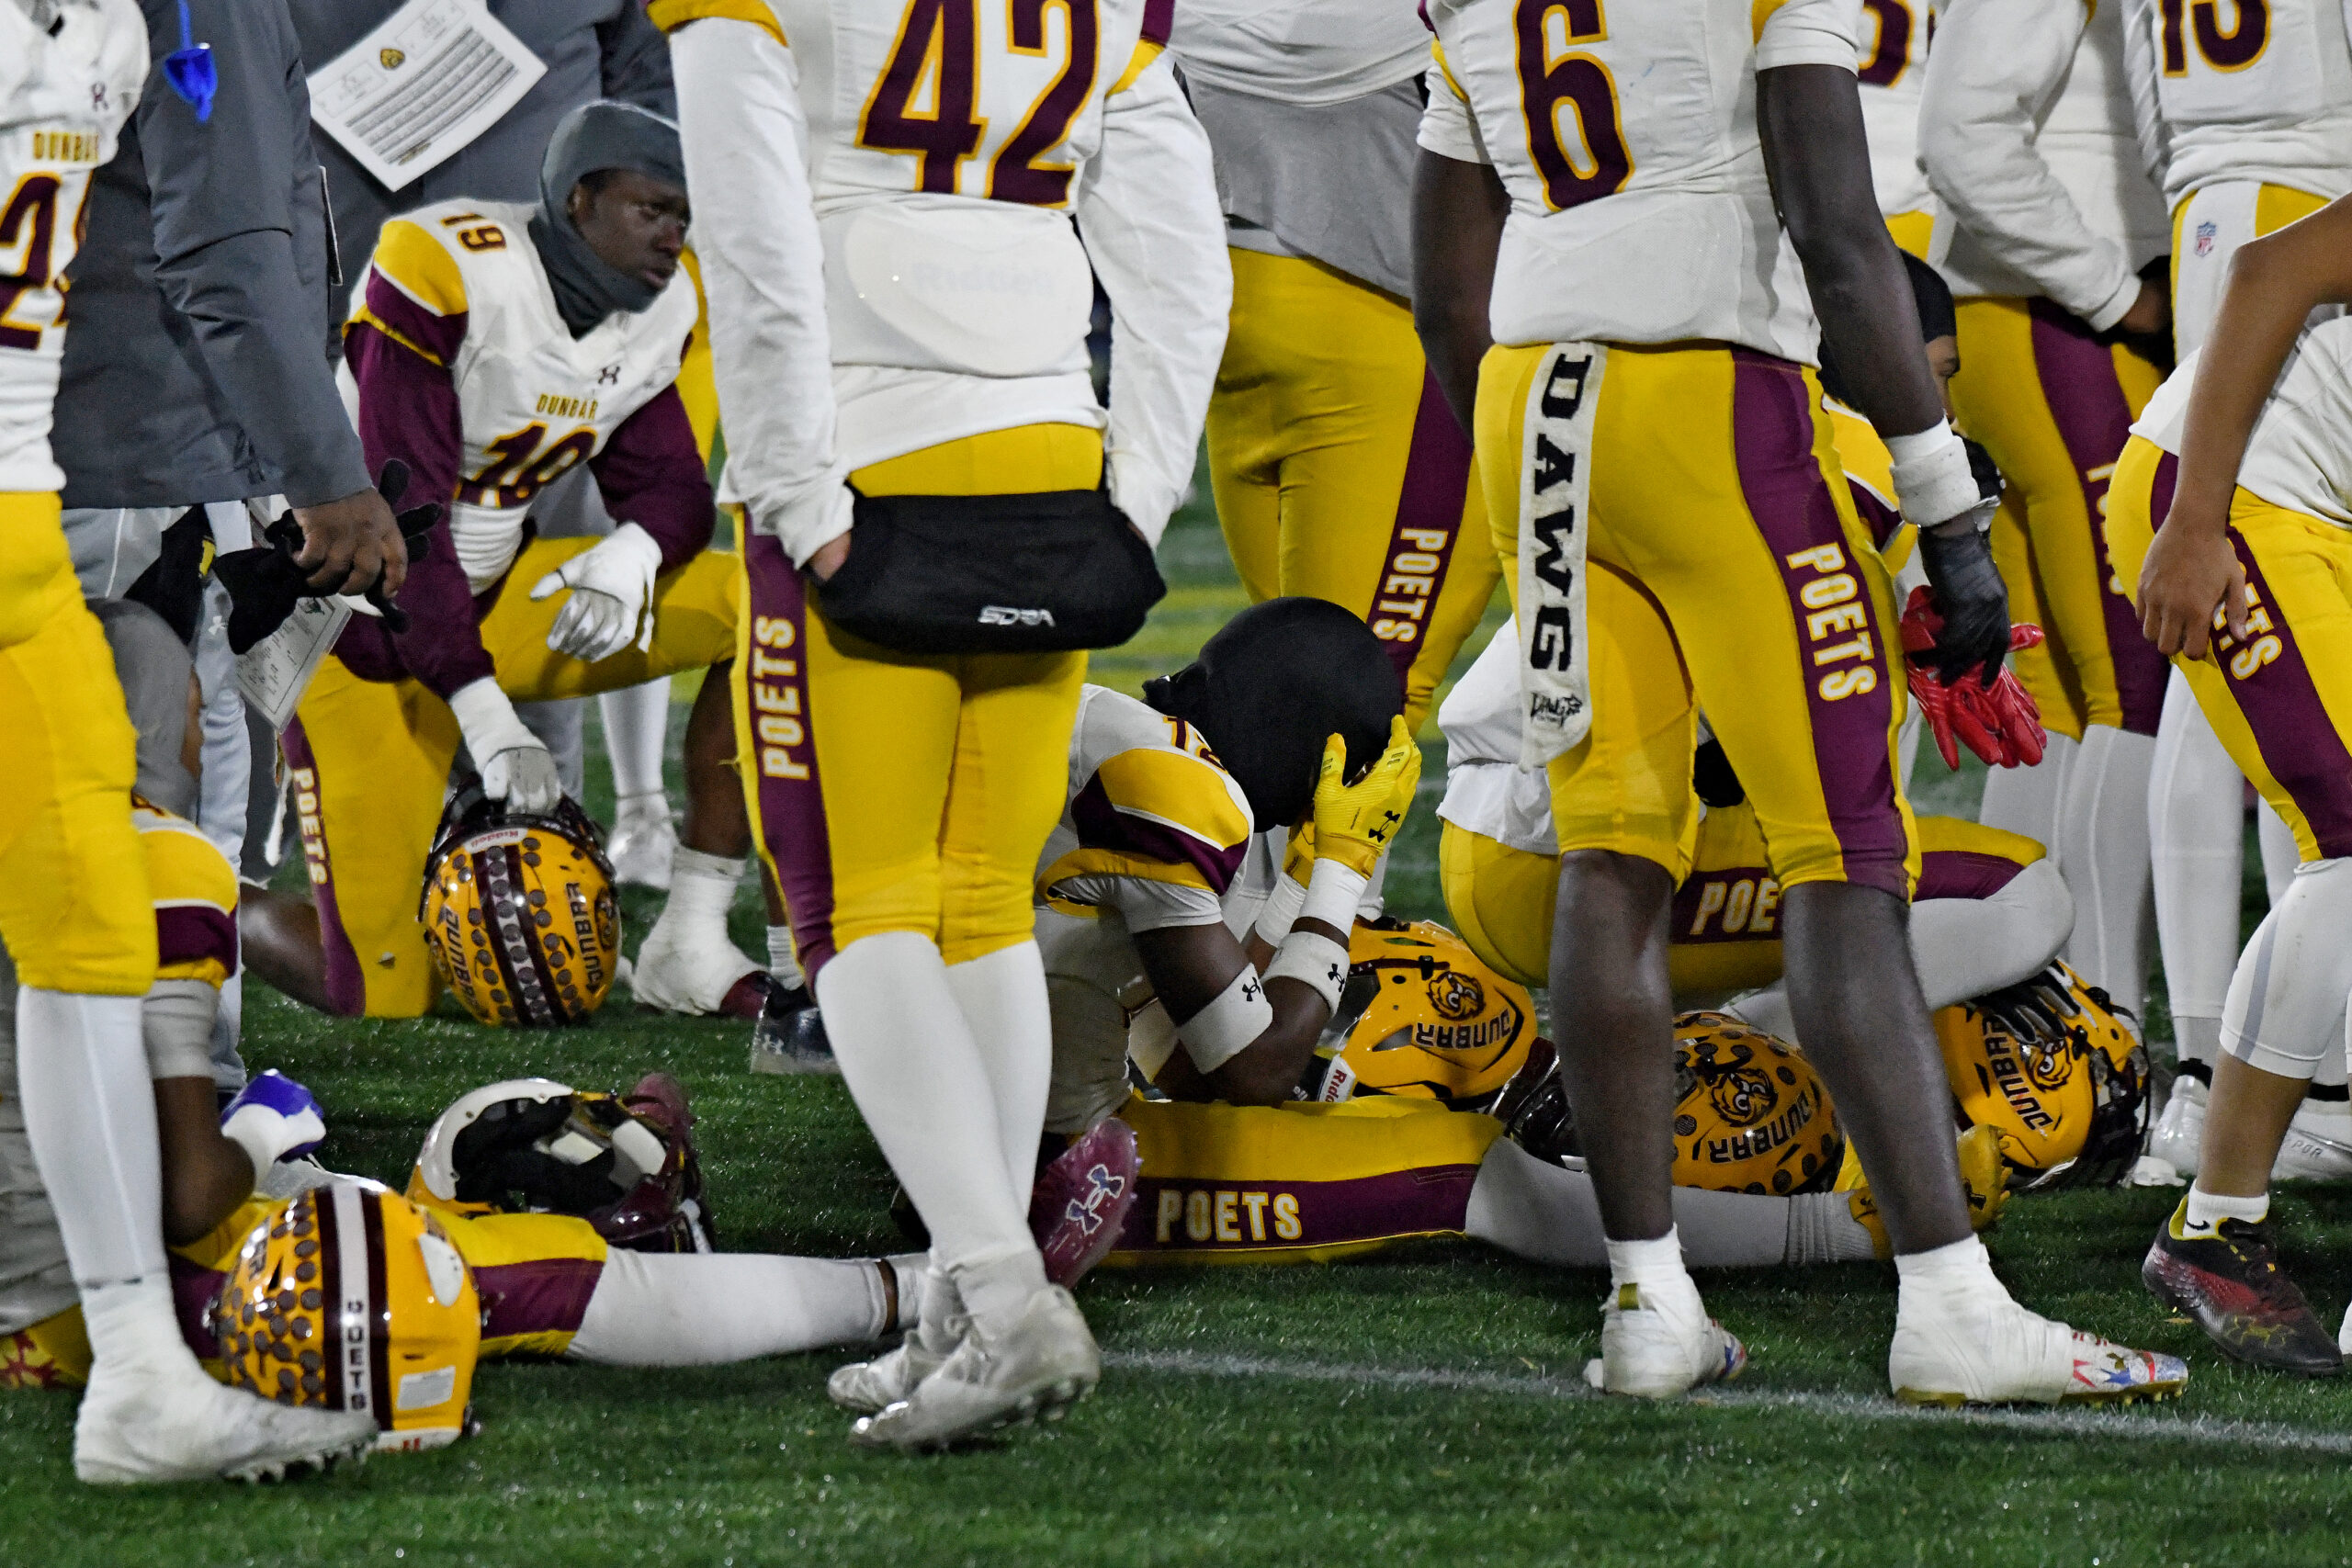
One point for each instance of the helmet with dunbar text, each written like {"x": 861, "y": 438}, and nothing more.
{"x": 1274, "y": 684}
{"x": 519, "y": 912}
{"x": 2056, "y": 1069}
{"x": 625, "y": 1163}
{"x": 1750, "y": 1114}
{"x": 1421, "y": 1015}
{"x": 351, "y": 1298}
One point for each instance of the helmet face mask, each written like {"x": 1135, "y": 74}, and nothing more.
{"x": 1422, "y": 1016}
{"x": 352, "y": 1299}
{"x": 2058, "y": 1071}
{"x": 519, "y": 913}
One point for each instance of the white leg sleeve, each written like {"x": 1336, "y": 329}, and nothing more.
{"x": 2286, "y": 1004}
{"x": 1089, "y": 1073}
{"x": 1004, "y": 999}
{"x": 2197, "y": 836}
{"x": 1541, "y": 1212}
{"x": 90, "y": 1115}
{"x": 706, "y": 1309}
{"x": 923, "y": 1088}
{"x": 636, "y": 730}
{"x": 2024, "y": 800}
{"x": 1965, "y": 947}
{"x": 561, "y": 724}
{"x": 2103, "y": 854}
{"x": 2280, "y": 853}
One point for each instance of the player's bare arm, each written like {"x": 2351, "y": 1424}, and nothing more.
{"x": 1191, "y": 966}
{"x": 1458, "y": 212}
{"x": 2275, "y": 283}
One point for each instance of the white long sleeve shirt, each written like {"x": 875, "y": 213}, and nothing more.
{"x": 899, "y": 254}
{"x": 2027, "y": 133}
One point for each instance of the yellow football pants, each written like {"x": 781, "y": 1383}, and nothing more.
{"x": 2053, "y": 404}
{"x": 74, "y": 903}
{"x": 1339, "y": 471}
{"x": 370, "y": 762}
{"x": 1297, "y": 1183}
{"x": 901, "y": 792}
{"x": 1726, "y": 570}
{"x": 2281, "y": 701}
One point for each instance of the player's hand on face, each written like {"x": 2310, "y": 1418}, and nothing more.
{"x": 1355, "y": 822}
{"x": 352, "y": 545}
{"x": 2192, "y": 571}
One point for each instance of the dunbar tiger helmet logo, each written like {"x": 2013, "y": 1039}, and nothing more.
{"x": 1739, "y": 1087}
{"x": 1455, "y": 995}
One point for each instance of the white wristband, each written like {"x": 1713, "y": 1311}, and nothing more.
{"x": 1333, "y": 891}
{"x": 1233, "y": 1020}
{"x": 1312, "y": 959}
{"x": 1932, "y": 480}
{"x": 1280, "y": 910}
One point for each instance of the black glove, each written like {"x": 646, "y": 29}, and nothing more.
{"x": 1973, "y": 602}
{"x": 264, "y": 583}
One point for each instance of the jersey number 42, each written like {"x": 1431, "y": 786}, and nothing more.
{"x": 930, "y": 97}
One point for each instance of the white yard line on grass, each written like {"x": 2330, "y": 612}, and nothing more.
{"x": 2137, "y": 1424}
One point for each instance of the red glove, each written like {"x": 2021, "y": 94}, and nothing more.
{"x": 2000, "y": 723}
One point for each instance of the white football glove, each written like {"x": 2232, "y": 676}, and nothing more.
{"x": 612, "y": 589}
{"x": 515, "y": 764}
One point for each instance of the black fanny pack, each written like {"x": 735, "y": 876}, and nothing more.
{"x": 1041, "y": 573}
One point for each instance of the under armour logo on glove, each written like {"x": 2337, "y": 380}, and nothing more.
{"x": 2000, "y": 723}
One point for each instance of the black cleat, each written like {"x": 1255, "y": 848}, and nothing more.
{"x": 2230, "y": 1285}
{"x": 790, "y": 1034}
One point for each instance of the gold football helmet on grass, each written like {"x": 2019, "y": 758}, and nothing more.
{"x": 1750, "y": 1114}
{"x": 352, "y": 1299}
{"x": 519, "y": 913}
{"x": 2057, "y": 1070}
{"x": 1422, "y": 1016}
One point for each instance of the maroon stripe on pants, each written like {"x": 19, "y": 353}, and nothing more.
{"x": 1325, "y": 1214}
{"x": 1428, "y": 524}
{"x": 546, "y": 1295}
{"x": 2077, "y": 376}
{"x": 1791, "y": 501}
{"x": 784, "y": 749}
{"x": 347, "y": 983}
{"x": 2298, "y": 740}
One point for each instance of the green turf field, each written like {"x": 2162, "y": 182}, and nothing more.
{"x": 1419, "y": 1407}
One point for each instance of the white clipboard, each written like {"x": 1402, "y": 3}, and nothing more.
{"x": 415, "y": 91}
{"x": 276, "y": 670}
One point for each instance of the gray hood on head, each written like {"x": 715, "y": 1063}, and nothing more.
{"x": 602, "y": 135}
{"x": 153, "y": 667}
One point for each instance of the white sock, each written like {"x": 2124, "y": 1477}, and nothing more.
{"x": 631, "y": 809}
{"x": 2024, "y": 800}
{"x": 561, "y": 725}
{"x": 2285, "y": 1009}
{"x": 912, "y": 1273}
{"x": 90, "y": 1116}
{"x": 2197, "y": 1040}
{"x": 1655, "y": 1265}
{"x": 1934, "y": 1277}
{"x": 706, "y": 1309}
{"x": 2104, "y": 855}
{"x": 2207, "y": 1210}
{"x": 1965, "y": 947}
{"x": 2280, "y": 853}
{"x": 702, "y": 891}
{"x": 1538, "y": 1211}
{"x": 1004, "y": 999}
{"x": 995, "y": 1288}
{"x": 1372, "y": 902}
{"x": 1822, "y": 1229}
{"x": 135, "y": 1325}
{"x": 783, "y": 960}
{"x": 910, "y": 1061}
{"x": 636, "y": 731}
{"x": 2195, "y": 836}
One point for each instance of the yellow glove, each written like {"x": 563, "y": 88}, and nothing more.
{"x": 1298, "y": 857}
{"x": 1354, "y": 822}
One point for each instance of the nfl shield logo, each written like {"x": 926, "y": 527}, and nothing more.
{"x": 2205, "y": 233}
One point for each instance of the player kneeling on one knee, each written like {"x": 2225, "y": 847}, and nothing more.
{"x": 494, "y": 346}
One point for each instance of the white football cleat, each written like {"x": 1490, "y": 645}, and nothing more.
{"x": 1978, "y": 1347}
{"x": 1041, "y": 1363}
{"x": 2181, "y": 1128}
{"x": 867, "y": 1387}
{"x": 168, "y": 1421}
{"x": 697, "y": 977}
{"x": 1653, "y": 1346}
{"x": 644, "y": 842}
{"x": 2318, "y": 1145}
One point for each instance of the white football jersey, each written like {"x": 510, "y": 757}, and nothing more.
{"x": 2257, "y": 90}
{"x": 2299, "y": 455}
{"x": 64, "y": 94}
{"x": 1301, "y": 51}
{"x": 534, "y": 401}
{"x": 1626, "y": 137}
{"x": 1889, "y": 66}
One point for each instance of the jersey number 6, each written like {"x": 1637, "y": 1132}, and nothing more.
{"x": 937, "y": 56}
{"x": 1548, "y": 83}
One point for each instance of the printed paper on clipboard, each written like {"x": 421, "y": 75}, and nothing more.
{"x": 416, "y": 90}
{"x": 274, "y": 672}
